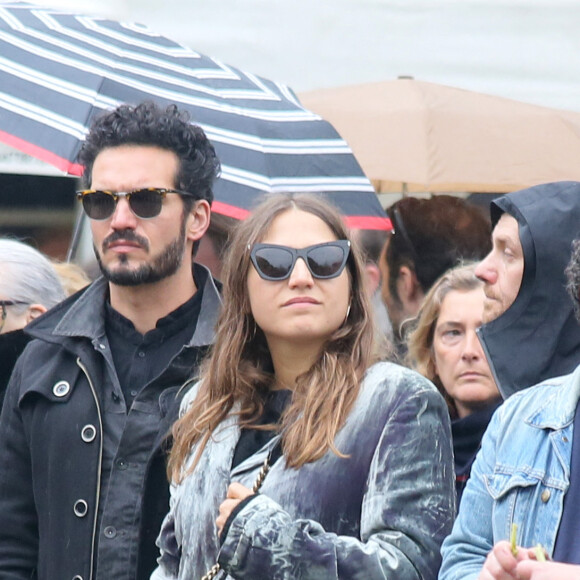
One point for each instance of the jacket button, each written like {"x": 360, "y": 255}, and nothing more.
{"x": 77, "y": 577}
{"x": 81, "y": 508}
{"x": 546, "y": 495}
{"x": 61, "y": 389}
{"x": 110, "y": 532}
{"x": 88, "y": 433}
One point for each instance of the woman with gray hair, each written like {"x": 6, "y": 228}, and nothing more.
{"x": 29, "y": 286}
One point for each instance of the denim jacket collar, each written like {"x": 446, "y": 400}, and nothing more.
{"x": 557, "y": 411}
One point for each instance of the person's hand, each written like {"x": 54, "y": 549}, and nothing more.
{"x": 501, "y": 564}
{"x": 533, "y": 570}
{"x": 236, "y": 493}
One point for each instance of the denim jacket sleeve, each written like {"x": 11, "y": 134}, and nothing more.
{"x": 520, "y": 475}
{"x": 465, "y": 550}
{"x": 407, "y": 510}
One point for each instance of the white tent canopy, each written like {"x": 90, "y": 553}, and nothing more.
{"x": 525, "y": 50}
{"x": 14, "y": 161}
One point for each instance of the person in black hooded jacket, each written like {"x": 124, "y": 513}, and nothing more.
{"x": 529, "y": 332}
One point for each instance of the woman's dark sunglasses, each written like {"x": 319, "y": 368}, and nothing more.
{"x": 145, "y": 203}
{"x": 273, "y": 262}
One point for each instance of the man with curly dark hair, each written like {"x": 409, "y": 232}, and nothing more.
{"x": 84, "y": 430}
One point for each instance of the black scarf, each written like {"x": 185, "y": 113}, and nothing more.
{"x": 11, "y": 346}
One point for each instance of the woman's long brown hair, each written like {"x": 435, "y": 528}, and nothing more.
{"x": 238, "y": 369}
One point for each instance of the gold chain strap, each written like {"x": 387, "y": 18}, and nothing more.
{"x": 212, "y": 573}
{"x": 214, "y": 570}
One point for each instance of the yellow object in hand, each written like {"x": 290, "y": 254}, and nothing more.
{"x": 513, "y": 536}
{"x": 539, "y": 551}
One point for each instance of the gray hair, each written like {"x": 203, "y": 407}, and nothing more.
{"x": 27, "y": 276}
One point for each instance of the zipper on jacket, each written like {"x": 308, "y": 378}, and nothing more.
{"x": 99, "y": 466}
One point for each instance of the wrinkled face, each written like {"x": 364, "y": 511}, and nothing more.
{"x": 132, "y": 250}
{"x": 502, "y": 269}
{"x": 459, "y": 359}
{"x": 300, "y": 309}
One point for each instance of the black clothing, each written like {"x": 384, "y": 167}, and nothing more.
{"x": 64, "y": 406}
{"x": 138, "y": 360}
{"x": 537, "y": 337}
{"x": 137, "y": 357}
{"x": 11, "y": 346}
{"x": 567, "y": 547}
{"x": 467, "y": 434}
{"x": 252, "y": 440}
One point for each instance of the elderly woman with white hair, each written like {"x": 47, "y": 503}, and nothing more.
{"x": 29, "y": 286}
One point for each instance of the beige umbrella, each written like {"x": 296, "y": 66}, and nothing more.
{"x": 413, "y": 136}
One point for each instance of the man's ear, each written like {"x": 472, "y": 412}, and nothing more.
{"x": 198, "y": 220}
{"x": 373, "y": 276}
{"x": 410, "y": 293}
{"x": 34, "y": 311}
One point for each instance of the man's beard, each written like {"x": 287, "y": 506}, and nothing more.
{"x": 164, "y": 265}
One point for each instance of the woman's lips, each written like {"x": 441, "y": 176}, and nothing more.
{"x": 472, "y": 375}
{"x": 301, "y": 300}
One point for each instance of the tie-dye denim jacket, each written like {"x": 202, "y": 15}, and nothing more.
{"x": 382, "y": 512}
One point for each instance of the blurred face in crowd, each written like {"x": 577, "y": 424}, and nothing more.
{"x": 459, "y": 359}
{"x": 405, "y": 304}
{"x": 393, "y": 304}
{"x": 10, "y": 318}
{"x": 502, "y": 269}
{"x": 17, "y": 316}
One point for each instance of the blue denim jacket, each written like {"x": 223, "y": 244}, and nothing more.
{"x": 520, "y": 476}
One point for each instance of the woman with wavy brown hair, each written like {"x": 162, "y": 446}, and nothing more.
{"x": 443, "y": 346}
{"x": 352, "y": 457}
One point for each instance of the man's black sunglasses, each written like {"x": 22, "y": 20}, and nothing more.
{"x": 274, "y": 262}
{"x": 145, "y": 203}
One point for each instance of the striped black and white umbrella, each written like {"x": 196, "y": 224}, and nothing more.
{"x": 58, "y": 69}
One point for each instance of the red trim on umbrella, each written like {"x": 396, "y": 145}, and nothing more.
{"x": 42, "y": 154}
{"x": 229, "y": 210}
{"x": 367, "y": 222}
{"x": 359, "y": 222}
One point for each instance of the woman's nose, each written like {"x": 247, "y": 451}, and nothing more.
{"x": 472, "y": 347}
{"x": 300, "y": 275}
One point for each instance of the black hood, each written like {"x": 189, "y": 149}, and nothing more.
{"x": 537, "y": 337}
